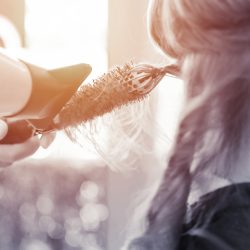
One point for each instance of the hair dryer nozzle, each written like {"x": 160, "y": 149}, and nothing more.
{"x": 51, "y": 90}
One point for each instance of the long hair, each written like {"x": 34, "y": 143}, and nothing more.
{"x": 209, "y": 39}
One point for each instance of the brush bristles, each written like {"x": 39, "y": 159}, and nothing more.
{"x": 118, "y": 87}
{"x": 105, "y": 94}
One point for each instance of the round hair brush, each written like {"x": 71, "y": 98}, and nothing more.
{"x": 120, "y": 86}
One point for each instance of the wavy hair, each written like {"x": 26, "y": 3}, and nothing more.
{"x": 209, "y": 39}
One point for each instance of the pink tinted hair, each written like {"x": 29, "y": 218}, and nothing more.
{"x": 209, "y": 39}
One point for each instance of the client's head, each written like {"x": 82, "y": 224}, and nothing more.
{"x": 181, "y": 27}
{"x": 209, "y": 39}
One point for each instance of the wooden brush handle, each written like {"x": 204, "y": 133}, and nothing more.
{"x": 18, "y": 132}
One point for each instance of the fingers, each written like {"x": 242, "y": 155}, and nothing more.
{"x": 47, "y": 139}
{"x": 3, "y": 129}
{"x": 15, "y": 152}
{"x": 5, "y": 164}
{"x": 9, "y": 153}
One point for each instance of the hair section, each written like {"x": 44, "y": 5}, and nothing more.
{"x": 210, "y": 40}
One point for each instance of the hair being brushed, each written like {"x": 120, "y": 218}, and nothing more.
{"x": 120, "y": 86}
{"x": 87, "y": 113}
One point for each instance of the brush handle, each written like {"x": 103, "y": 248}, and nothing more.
{"x": 18, "y": 132}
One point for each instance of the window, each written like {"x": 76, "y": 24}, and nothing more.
{"x": 60, "y": 33}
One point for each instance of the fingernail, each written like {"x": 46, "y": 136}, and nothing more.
{"x": 46, "y": 140}
{"x": 3, "y": 129}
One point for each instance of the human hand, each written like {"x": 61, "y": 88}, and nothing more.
{"x": 14, "y": 152}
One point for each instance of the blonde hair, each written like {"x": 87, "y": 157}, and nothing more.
{"x": 209, "y": 39}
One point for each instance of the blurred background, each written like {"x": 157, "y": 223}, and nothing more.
{"x": 66, "y": 197}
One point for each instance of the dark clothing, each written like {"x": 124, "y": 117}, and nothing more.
{"x": 220, "y": 220}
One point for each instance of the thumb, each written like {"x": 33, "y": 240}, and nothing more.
{"x": 3, "y": 129}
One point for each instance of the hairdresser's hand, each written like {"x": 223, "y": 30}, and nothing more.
{"x": 14, "y": 152}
